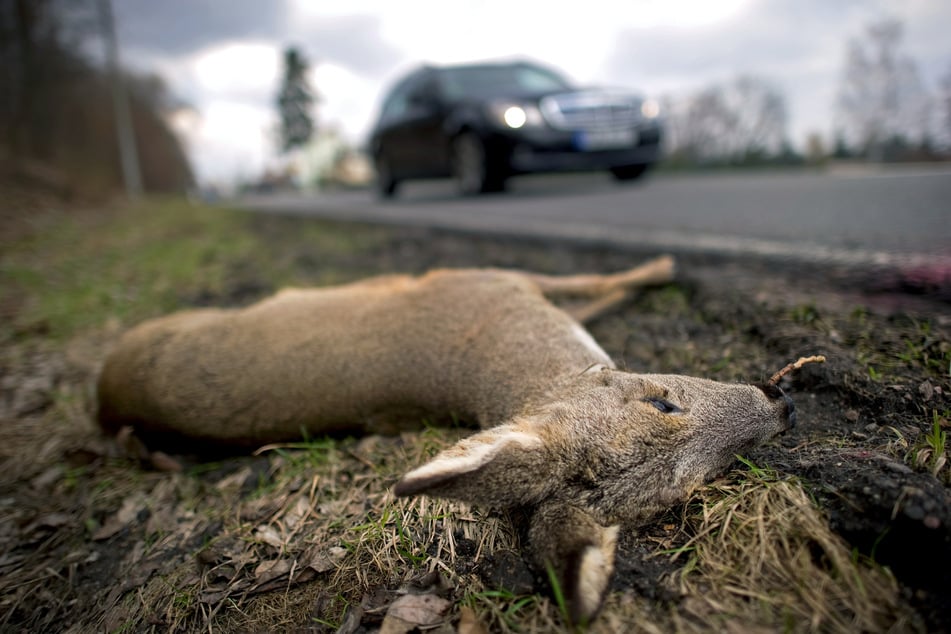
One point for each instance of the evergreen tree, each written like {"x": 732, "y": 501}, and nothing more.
{"x": 295, "y": 101}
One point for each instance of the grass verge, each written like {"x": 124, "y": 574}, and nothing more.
{"x": 309, "y": 535}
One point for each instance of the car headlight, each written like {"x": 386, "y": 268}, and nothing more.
{"x": 515, "y": 115}
{"x": 650, "y": 108}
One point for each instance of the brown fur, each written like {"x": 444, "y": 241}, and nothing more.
{"x": 579, "y": 445}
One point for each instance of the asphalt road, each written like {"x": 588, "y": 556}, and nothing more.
{"x": 850, "y": 216}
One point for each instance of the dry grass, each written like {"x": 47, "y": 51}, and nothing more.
{"x": 307, "y": 536}
{"x": 310, "y": 536}
{"x": 762, "y": 555}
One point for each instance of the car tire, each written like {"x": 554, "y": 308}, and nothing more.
{"x": 626, "y": 173}
{"x": 385, "y": 184}
{"x": 471, "y": 168}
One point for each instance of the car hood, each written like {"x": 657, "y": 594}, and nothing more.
{"x": 586, "y": 96}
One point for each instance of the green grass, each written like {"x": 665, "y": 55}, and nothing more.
{"x": 559, "y": 595}
{"x": 505, "y": 606}
{"x": 764, "y": 474}
{"x": 805, "y": 314}
{"x": 936, "y": 441}
{"x": 85, "y": 268}
{"x": 81, "y": 269}
{"x": 924, "y": 348}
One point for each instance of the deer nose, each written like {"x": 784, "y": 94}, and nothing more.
{"x": 773, "y": 392}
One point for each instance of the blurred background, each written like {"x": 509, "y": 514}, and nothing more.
{"x": 199, "y": 83}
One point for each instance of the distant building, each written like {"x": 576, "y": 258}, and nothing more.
{"x": 329, "y": 161}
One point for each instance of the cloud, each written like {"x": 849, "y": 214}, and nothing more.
{"x": 179, "y": 28}
{"x": 351, "y": 41}
{"x": 797, "y": 44}
{"x": 227, "y": 140}
{"x": 215, "y": 53}
{"x": 351, "y": 103}
{"x": 239, "y": 71}
{"x": 752, "y": 41}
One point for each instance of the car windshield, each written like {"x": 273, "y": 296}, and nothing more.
{"x": 499, "y": 81}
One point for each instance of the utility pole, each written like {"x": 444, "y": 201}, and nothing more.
{"x": 128, "y": 153}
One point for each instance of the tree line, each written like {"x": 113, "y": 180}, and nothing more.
{"x": 56, "y": 111}
{"x": 57, "y": 121}
{"x": 884, "y": 111}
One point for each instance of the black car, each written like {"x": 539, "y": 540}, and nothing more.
{"x": 483, "y": 123}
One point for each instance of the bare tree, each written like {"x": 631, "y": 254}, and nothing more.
{"x": 762, "y": 118}
{"x": 55, "y": 105}
{"x": 706, "y": 122}
{"x": 738, "y": 121}
{"x": 882, "y": 99}
{"x": 944, "y": 108}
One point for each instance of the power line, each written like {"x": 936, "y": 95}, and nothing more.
{"x": 128, "y": 153}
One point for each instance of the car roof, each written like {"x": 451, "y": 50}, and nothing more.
{"x": 485, "y": 64}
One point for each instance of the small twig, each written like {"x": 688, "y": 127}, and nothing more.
{"x": 818, "y": 358}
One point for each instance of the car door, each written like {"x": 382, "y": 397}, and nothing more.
{"x": 426, "y": 126}
{"x": 389, "y": 144}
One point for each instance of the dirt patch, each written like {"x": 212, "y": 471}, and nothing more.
{"x": 842, "y": 524}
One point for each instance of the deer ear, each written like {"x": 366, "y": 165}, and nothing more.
{"x": 576, "y": 552}
{"x": 497, "y": 467}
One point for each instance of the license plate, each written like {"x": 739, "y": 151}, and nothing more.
{"x": 590, "y": 140}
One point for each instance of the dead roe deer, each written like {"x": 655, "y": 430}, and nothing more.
{"x": 571, "y": 442}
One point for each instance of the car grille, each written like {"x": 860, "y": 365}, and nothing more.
{"x": 589, "y": 111}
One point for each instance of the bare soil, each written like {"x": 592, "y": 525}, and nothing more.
{"x": 292, "y": 539}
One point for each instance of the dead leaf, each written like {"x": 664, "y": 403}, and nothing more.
{"x": 234, "y": 481}
{"x": 161, "y": 461}
{"x": 352, "y": 620}
{"x": 396, "y": 625}
{"x": 162, "y": 521}
{"x": 320, "y": 563}
{"x": 140, "y": 573}
{"x": 48, "y": 521}
{"x": 260, "y": 508}
{"x": 469, "y": 622}
{"x": 297, "y": 513}
{"x": 48, "y": 478}
{"x": 272, "y": 569}
{"x": 225, "y": 549}
{"x": 129, "y": 444}
{"x": 429, "y": 583}
{"x": 414, "y": 610}
{"x": 268, "y": 535}
{"x": 211, "y": 596}
{"x": 125, "y": 516}
{"x": 317, "y": 560}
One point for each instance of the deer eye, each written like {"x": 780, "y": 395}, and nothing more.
{"x": 663, "y": 406}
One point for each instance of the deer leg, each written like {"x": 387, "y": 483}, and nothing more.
{"x": 657, "y": 271}
{"x": 589, "y": 311}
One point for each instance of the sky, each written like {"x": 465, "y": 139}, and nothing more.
{"x": 224, "y": 58}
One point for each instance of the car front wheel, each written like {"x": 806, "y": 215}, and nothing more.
{"x": 471, "y": 168}
{"x": 628, "y": 172}
{"x": 385, "y": 184}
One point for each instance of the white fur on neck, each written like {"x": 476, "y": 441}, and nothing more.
{"x": 588, "y": 342}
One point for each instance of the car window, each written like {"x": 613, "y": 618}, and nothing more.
{"x": 424, "y": 90}
{"x": 397, "y": 102}
{"x": 488, "y": 81}
{"x": 407, "y": 95}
